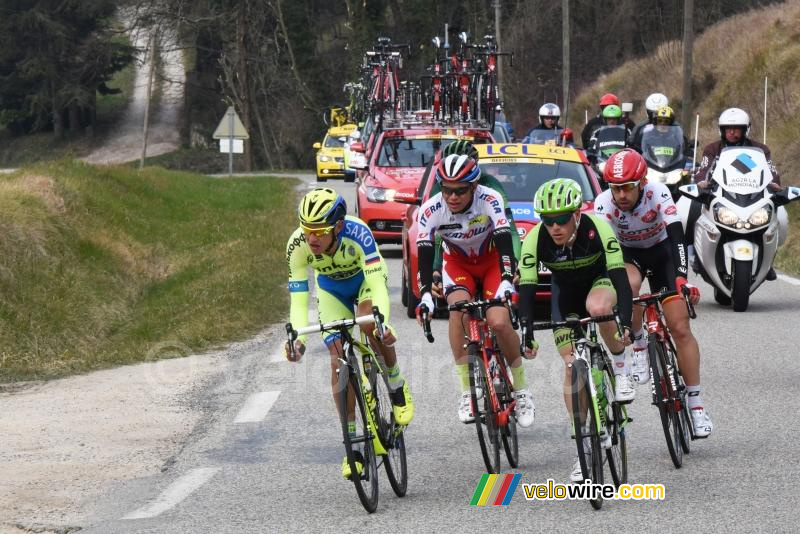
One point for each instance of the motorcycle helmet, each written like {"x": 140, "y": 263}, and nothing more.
{"x": 612, "y": 111}
{"x": 625, "y": 166}
{"x": 665, "y": 115}
{"x": 458, "y": 168}
{"x": 608, "y": 99}
{"x": 549, "y": 110}
{"x": 734, "y": 117}
{"x": 653, "y": 103}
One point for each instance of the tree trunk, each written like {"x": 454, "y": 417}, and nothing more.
{"x": 244, "y": 95}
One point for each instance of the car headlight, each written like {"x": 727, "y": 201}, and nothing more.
{"x": 761, "y": 216}
{"x": 377, "y": 194}
{"x": 725, "y": 215}
{"x": 323, "y": 159}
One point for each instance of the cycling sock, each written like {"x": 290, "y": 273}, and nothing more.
{"x": 694, "y": 399}
{"x": 639, "y": 342}
{"x": 621, "y": 365}
{"x": 395, "y": 378}
{"x": 351, "y": 428}
{"x": 518, "y": 376}
{"x": 463, "y": 374}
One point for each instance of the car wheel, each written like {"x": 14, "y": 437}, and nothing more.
{"x": 404, "y": 289}
{"x": 350, "y": 177}
{"x": 322, "y": 178}
{"x": 411, "y": 302}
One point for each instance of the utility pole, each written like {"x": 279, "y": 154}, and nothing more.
{"x": 496, "y": 4}
{"x": 565, "y": 57}
{"x": 146, "y": 125}
{"x": 688, "y": 44}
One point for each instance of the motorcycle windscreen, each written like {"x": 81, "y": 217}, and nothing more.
{"x": 610, "y": 140}
{"x": 742, "y": 170}
{"x": 541, "y": 137}
{"x": 662, "y": 147}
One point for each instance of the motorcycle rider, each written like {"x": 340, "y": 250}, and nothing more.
{"x": 598, "y": 121}
{"x": 734, "y": 125}
{"x": 549, "y": 114}
{"x": 651, "y": 106}
{"x": 663, "y": 118}
{"x": 612, "y": 116}
{"x": 650, "y": 233}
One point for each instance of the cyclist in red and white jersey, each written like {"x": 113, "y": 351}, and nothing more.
{"x": 650, "y": 233}
{"x": 478, "y": 251}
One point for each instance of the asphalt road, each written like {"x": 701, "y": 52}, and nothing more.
{"x": 278, "y": 470}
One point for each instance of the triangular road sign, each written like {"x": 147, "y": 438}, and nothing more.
{"x": 231, "y": 128}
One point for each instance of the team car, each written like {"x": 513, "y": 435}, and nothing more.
{"x": 521, "y": 168}
{"x": 394, "y": 169}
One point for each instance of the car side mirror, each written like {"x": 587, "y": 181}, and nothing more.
{"x": 317, "y": 145}
{"x": 358, "y": 147}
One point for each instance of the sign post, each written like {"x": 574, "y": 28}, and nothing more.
{"x": 231, "y": 134}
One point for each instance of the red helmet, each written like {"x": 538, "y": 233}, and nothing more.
{"x": 608, "y": 99}
{"x": 625, "y": 166}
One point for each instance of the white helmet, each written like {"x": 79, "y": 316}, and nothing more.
{"x": 655, "y": 101}
{"x": 549, "y": 110}
{"x": 734, "y": 117}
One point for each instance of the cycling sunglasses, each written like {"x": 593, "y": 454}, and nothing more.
{"x": 626, "y": 187}
{"x": 561, "y": 220}
{"x": 458, "y": 191}
{"x": 318, "y": 232}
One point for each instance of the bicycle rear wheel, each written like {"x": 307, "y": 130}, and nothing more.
{"x": 490, "y": 100}
{"x": 683, "y": 406}
{"x": 359, "y": 447}
{"x": 585, "y": 424}
{"x": 665, "y": 399}
{"x": 616, "y": 420}
{"x": 390, "y": 434}
{"x": 485, "y": 422}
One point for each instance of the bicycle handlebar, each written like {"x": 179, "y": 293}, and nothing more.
{"x": 646, "y": 299}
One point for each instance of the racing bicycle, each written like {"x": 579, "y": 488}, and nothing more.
{"x": 378, "y": 439}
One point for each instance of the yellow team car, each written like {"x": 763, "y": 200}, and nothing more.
{"x": 330, "y": 153}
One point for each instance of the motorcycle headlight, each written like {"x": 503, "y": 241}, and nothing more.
{"x": 324, "y": 158}
{"x": 761, "y": 216}
{"x": 377, "y": 194}
{"x": 725, "y": 216}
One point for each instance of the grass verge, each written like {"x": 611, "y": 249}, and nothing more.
{"x": 101, "y": 266}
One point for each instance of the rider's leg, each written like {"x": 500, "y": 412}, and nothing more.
{"x": 640, "y": 366}
{"x": 677, "y": 317}
{"x": 635, "y": 280}
{"x": 601, "y": 301}
{"x": 499, "y": 321}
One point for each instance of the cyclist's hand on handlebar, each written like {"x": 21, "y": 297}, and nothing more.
{"x": 504, "y": 286}
{"x": 389, "y": 337}
{"x": 427, "y": 301}
{"x": 692, "y": 291}
{"x": 299, "y": 350}
{"x": 436, "y": 287}
{"x": 627, "y": 336}
{"x": 531, "y": 349}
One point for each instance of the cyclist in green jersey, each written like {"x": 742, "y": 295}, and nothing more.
{"x": 464, "y": 147}
{"x": 350, "y": 271}
{"x": 588, "y": 278}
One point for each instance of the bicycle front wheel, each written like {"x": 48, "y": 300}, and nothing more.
{"x": 504, "y": 398}
{"x": 616, "y": 419}
{"x": 665, "y": 399}
{"x": 390, "y": 434}
{"x": 585, "y": 424}
{"x": 358, "y": 445}
{"x": 482, "y": 410}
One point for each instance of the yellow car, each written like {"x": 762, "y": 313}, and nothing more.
{"x": 330, "y": 153}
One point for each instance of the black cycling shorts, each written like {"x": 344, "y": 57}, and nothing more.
{"x": 655, "y": 263}
{"x": 570, "y": 299}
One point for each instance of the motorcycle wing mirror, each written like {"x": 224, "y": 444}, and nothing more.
{"x": 690, "y": 190}
{"x": 786, "y": 195}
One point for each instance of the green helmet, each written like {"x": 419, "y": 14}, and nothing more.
{"x": 461, "y": 147}
{"x": 558, "y": 196}
{"x": 612, "y": 112}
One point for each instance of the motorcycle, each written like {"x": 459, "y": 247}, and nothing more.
{"x": 741, "y": 224}
{"x": 662, "y": 149}
{"x": 606, "y": 141}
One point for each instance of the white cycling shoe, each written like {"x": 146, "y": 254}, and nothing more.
{"x": 701, "y": 422}
{"x": 625, "y": 391}
{"x": 524, "y": 410}
{"x": 640, "y": 366}
{"x": 465, "y": 408}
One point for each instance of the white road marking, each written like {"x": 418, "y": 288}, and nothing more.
{"x": 256, "y": 407}
{"x": 789, "y": 279}
{"x": 175, "y": 493}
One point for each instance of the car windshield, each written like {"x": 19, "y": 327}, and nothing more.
{"x": 334, "y": 142}
{"x": 402, "y": 152}
{"x": 521, "y": 180}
